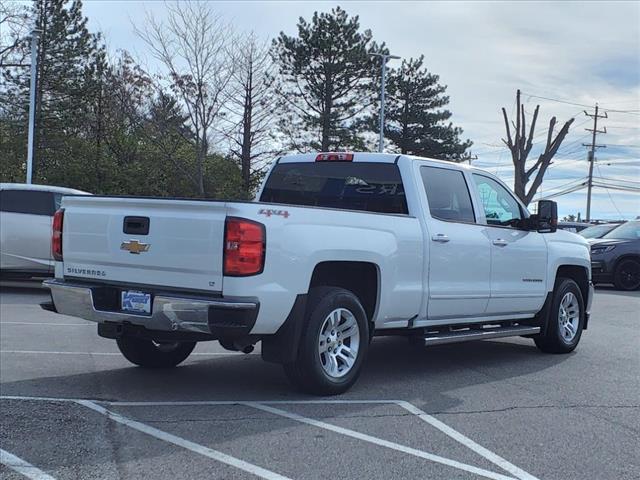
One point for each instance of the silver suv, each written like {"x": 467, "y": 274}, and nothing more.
{"x": 26, "y": 213}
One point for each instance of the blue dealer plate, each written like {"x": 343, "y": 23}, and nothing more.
{"x": 137, "y": 302}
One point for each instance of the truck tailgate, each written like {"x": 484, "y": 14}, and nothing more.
{"x": 183, "y": 247}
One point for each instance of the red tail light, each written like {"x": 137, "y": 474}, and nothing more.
{"x": 244, "y": 247}
{"x": 56, "y": 236}
{"x": 334, "y": 157}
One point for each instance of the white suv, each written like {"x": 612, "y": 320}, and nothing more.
{"x": 26, "y": 213}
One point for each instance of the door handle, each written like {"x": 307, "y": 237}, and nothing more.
{"x": 440, "y": 238}
{"x": 498, "y": 242}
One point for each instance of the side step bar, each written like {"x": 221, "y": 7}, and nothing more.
{"x": 454, "y": 336}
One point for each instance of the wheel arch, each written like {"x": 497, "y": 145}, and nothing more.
{"x": 361, "y": 278}
{"x": 578, "y": 274}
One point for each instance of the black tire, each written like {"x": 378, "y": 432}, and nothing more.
{"x": 149, "y": 354}
{"x": 553, "y": 341}
{"x": 307, "y": 372}
{"x": 627, "y": 274}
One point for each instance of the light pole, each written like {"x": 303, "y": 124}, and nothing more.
{"x": 384, "y": 59}
{"x": 35, "y": 35}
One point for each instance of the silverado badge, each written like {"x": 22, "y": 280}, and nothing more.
{"x": 135, "y": 247}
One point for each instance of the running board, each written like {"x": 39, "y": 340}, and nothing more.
{"x": 455, "y": 336}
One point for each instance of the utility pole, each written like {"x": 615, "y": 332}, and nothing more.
{"x": 384, "y": 60}
{"x": 592, "y": 153}
{"x": 35, "y": 36}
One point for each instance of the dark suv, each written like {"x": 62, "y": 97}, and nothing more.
{"x": 615, "y": 258}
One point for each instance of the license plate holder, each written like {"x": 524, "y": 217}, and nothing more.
{"x": 134, "y": 301}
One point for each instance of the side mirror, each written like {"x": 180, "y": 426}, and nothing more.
{"x": 547, "y": 216}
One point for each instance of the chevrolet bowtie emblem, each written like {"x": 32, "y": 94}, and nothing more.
{"x": 135, "y": 247}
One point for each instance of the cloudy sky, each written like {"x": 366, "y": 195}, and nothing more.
{"x": 573, "y": 54}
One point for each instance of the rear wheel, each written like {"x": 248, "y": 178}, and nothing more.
{"x": 566, "y": 319}
{"x": 627, "y": 274}
{"x": 150, "y": 354}
{"x": 334, "y": 343}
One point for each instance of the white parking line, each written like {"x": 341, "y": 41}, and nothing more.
{"x": 264, "y": 406}
{"x": 48, "y": 352}
{"x": 23, "y": 467}
{"x": 184, "y": 443}
{"x": 379, "y": 441}
{"x": 467, "y": 442}
{"x": 51, "y": 324}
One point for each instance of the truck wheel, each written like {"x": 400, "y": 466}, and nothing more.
{"x": 566, "y": 319}
{"x": 627, "y": 275}
{"x": 150, "y": 354}
{"x": 334, "y": 343}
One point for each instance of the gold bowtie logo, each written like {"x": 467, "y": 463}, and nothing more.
{"x": 135, "y": 247}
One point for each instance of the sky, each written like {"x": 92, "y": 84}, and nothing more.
{"x": 574, "y": 54}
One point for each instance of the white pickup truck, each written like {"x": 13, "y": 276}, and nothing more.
{"x": 338, "y": 247}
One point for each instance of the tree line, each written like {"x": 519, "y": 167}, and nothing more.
{"x": 215, "y": 110}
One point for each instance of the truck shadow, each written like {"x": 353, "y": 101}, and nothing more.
{"x": 394, "y": 370}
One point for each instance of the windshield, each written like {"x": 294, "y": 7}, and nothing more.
{"x": 596, "y": 231}
{"x": 626, "y": 231}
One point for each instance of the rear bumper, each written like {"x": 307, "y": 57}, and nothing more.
{"x": 170, "y": 312}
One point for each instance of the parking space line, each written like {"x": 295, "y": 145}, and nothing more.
{"x": 49, "y": 352}
{"x": 23, "y": 467}
{"x": 52, "y": 324}
{"x": 184, "y": 443}
{"x": 264, "y": 405}
{"x": 466, "y": 441}
{"x": 378, "y": 441}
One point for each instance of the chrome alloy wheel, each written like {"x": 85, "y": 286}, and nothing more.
{"x": 569, "y": 317}
{"x": 338, "y": 342}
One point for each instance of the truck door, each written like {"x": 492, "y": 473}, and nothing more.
{"x": 518, "y": 257}
{"x": 458, "y": 248}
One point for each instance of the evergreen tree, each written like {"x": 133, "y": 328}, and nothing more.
{"x": 67, "y": 58}
{"x": 415, "y": 121}
{"x": 327, "y": 80}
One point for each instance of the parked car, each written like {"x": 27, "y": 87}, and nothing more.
{"x": 340, "y": 247}
{"x": 26, "y": 213}
{"x": 574, "y": 227}
{"x": 615, "y": 258}
{"x": 598, "y": 231}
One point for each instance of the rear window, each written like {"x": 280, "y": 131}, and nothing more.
{"x": 27, "y": 201}
{"x": 372, "y": 187}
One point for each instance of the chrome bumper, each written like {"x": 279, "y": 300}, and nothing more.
{"x": 168, "y": 312}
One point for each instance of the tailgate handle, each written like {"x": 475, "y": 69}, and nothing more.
{"x": 136, "y": 225}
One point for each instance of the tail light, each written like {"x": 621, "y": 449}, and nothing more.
{"x": 244, "y": 247}
{"x": 334, "y": 157}
{"x": 56, "y": 236}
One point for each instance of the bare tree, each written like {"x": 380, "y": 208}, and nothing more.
{"x": 14, "y": 28}
{"x": 521, "y": 144}
{"x": 250, "y": 108}
{"x": 192, "y": 44}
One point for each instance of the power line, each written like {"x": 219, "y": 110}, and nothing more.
{"x": 567, "y": 102}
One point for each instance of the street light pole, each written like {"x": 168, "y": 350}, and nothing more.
{"x": 35, "y": 35}
{"x": 384, "y": 60}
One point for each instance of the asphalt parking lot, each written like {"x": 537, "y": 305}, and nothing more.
{"x": 73, "y": 408}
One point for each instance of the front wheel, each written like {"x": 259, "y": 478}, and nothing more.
{"x": 150, "y": 354}
{"x": 566, "y": 319}
{"x": 334, "y": 343}
{"x": 627, "y": 275}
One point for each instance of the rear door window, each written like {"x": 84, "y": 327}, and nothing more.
{"x": 368, "y": 186}
{"x": 27, "y": 201}
{"x": 448, "y": 194}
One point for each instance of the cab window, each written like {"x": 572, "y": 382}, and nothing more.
{"x": 500, "y": 208}
{"x": 448, "y": 195}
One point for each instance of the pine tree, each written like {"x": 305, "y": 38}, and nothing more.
{"x": 327, "y": 80}
{"x": 67, "y": 57}
{"x": 415, "y": 121}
